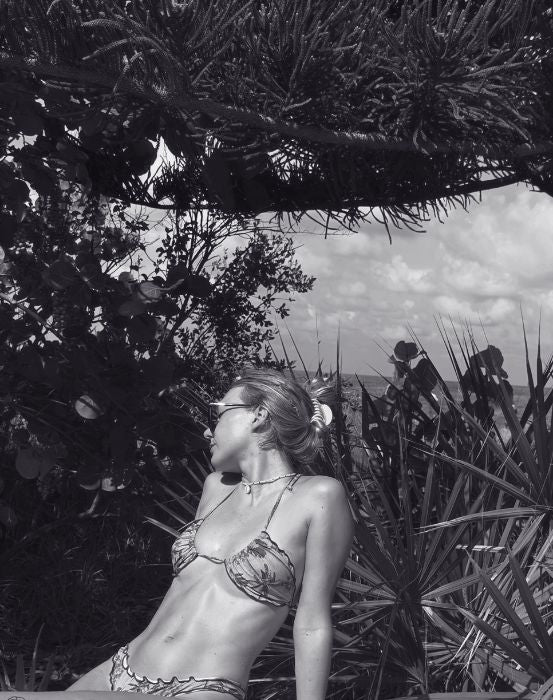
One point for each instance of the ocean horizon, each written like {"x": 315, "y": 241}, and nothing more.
{"x": 376, "y": 385}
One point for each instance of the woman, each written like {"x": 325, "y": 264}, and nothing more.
{"x": 265, "y": 539}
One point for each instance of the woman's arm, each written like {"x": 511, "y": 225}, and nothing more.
{"x": 329, "y": 540}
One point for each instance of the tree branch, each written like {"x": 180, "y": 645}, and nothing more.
{"x": 359, "y": 140}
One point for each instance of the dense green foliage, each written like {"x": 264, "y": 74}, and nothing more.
{"x": 90, "y": 353}
{"x": 447, "y": 589}
{"x": 398, "y": 107}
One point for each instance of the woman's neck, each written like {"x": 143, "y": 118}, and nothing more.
{"x": 264, "y": 466}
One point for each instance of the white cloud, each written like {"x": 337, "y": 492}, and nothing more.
{"x": 478, "y": 267}
{"x": 398, "y": 276}
{"x": 489, "y": 312}
{"x": 509, "y": 236}
{"x": 471, "y": 278}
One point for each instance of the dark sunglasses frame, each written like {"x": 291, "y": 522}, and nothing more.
{"x": 213, "y": 413}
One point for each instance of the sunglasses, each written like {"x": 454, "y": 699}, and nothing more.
{"x": 213, "y": 413}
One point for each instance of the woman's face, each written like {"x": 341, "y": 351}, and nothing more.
{"x": 231, "y": 438}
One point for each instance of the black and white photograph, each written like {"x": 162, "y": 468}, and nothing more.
{"x": 276, "y": 349}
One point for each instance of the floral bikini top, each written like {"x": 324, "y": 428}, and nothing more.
{"x": 261, "y": 569}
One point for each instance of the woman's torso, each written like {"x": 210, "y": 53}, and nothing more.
{"x": 208, "y": 626}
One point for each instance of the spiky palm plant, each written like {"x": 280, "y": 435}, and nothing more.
{"x": 448, "y": 585}
{"x": 34, "y": 680}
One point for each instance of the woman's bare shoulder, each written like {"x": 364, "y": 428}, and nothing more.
{"x": 319, "y": 488}
{"x": 319, "y": 483}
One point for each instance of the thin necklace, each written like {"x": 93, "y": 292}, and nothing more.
{"x": 248, "y": 484}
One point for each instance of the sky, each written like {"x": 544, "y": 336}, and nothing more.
{"x": 481, "y": 267}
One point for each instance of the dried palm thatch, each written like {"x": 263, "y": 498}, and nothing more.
{"x": 364, "y": 107}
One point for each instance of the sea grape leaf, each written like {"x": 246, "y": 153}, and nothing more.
{"x": 142, "y": 328}
{"x": 69, "y": 153}
{"x": 176, "y": 273}
{"x": 405, "y": 351}
{"x": 28, "y": 121}
{"x": 88, "y": 407}
{"x": 424, "y": 375}
{"x": 111, "y": 483}
{"x": 198, "y": 285}
{"x": 60, "y": 274}
{"x": 93, "y": 124}
{"x": 164, "y": 307}
{"x": 30, "y": 364}
{"x": 41, "y": 178}
{"x": 16, "y": 191}
{"x": 30, "y": 462}
{"x": 158, "y": 372}
{"x": 149, "y": 292}
{"x": 8, "y": 227}
{"x": 121, "y": 441}
{"x": 131, "y": 308}
{"x": 141, "y": 155}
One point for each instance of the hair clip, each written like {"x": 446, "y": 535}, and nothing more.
{"x": 322, "y": 411}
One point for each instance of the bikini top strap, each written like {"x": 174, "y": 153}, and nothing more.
{"x": 288, "y": 486}
{"x": 220, "y": 502}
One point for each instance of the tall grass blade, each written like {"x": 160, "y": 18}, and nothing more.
{"x": 32, "y": 671}
{"x": 163, "y": 526}
{"x": 498, "y": 663}
{"x": 20, "y": 680}
{"x": 533, "y": 613}
{"x": 43, "y": 685}
{"x": 289, "y": 363}
{"x": 520, "y": 629}
{"x": 306, "y": 372}
{"x": 512, "y": 651}
{"x": 486, "y": 476}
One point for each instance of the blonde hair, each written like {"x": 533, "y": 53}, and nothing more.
{"x": 295, "y": 426}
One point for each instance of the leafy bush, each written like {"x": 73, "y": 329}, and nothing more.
{"x": 447, "y": 588}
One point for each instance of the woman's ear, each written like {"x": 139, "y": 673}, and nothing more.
{"x": 260, "y": 418}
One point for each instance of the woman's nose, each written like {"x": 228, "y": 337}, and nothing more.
{"x": 208, "y": 434}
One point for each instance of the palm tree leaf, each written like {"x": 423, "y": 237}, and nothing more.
{"x": 486, "y": 476}
{"x": 544, "y": 691}
{"x": 508, "y": 647}
{"x": 533, "y": 613}
{"x": 505, "y": 607}
{"x": 504, "y": 458}
{"x": 167, "y": 528}
{"x": 498, "y": 663}
{"x": 432, "y": 562}
{"x": 520, "y": 512}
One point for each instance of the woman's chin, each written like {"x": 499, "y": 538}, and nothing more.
{"x": 220, "y": 464}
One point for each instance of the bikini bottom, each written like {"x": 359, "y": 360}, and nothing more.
{"x": 123, "y": 678}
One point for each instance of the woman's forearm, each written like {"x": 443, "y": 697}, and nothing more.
{"x": 313, "y": 655}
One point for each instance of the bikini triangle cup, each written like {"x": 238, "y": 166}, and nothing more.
{"x": 261, "y": 569}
